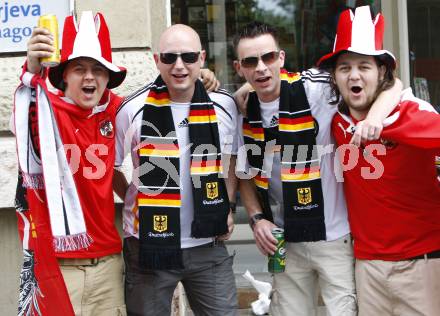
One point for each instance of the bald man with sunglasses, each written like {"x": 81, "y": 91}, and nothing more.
{"x": 176, "y": 209}
{"x": 295, "y": 186}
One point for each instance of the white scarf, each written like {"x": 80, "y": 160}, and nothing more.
{"x": 52, "y": 172}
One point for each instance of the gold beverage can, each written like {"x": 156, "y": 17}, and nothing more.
{"x": 49, "y": 22}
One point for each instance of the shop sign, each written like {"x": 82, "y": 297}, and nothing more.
{"x": 19, "y": 17}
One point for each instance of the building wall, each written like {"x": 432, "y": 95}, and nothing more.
{"x": 396, "y": 36}
{"x": 134, "y": 31}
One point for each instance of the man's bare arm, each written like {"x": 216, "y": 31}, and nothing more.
{"x": 264, "y": 239}
{"x": 241, "y": 97}
{"x": 120, "y": 184}
{"x": 231, "y": 186}
{"x": 209, "y": 80}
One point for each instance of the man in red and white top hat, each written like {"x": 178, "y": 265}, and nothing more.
{"x": 66, "y": 213}
{"x": 391, "y": 186}
{"x": 289, "y": 115}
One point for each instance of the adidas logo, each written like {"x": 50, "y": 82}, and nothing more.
{"x": 273, "y": 121}
{"x": 184, "y": 123}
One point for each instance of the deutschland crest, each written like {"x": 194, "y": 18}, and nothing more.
{"x": 212, "y": 190}
{"x": 160, "y": 223}
{"x": 304, "y": 195}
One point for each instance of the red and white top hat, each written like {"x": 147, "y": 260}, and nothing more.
{"x": 90, "y": 39}
{"x": 359, "y": 33}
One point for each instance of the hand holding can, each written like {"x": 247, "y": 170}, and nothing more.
{"x": 50, "y": 23}
{"x": 277, "y": 261}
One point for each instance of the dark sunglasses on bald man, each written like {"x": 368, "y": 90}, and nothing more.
{"x": 252, "y": 61}
{"x": 187, "y": 58}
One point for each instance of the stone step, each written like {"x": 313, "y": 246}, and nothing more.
{"x": 245, "y": 297}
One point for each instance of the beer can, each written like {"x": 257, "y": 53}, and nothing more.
{"x": 277, "y": 261}
{"x": 49, "y": 22}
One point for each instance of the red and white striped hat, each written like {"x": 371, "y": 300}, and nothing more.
{"x": 359, "y": 33}
{"x": 91, "y": 39}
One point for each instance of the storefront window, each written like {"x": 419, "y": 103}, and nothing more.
{"x": 306, "y": 28}
{"x": 423, "y": 32}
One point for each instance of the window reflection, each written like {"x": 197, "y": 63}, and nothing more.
{"x": 306, "y": 28}
{"x": 423, "y": 30}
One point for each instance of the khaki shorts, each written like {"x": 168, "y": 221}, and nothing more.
{"x": 407, "y": 287}
{"x": 95, "y": 286}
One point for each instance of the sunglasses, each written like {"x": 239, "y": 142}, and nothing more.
{"x": 187, "y": 58}
{"x": 252, "y": 61}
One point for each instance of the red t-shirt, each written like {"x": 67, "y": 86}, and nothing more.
{"x": 394, "y": 215}
{"x": 91, "y": 155}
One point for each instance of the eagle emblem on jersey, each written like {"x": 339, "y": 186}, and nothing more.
{"x": 304, "y": 195}
{"x": 106, "y": 128}
{"x": 212, "y": 190}
{"x": 160, "y": 223}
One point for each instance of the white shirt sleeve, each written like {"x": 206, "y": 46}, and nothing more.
{"x": 226, "y": 112}
{"x": 317, "y": 86}
{"x": 126, "y": 129}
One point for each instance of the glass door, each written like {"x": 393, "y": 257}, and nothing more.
{"x": 306, "y": 28}
{"x": 424, "y": 43}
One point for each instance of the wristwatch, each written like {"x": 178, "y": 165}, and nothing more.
{"x": 233, "y": 207}
{"x": 255, "y": 218}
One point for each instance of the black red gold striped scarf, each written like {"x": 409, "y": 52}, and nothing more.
{"x": 159, "y": 199}
{"x": 300, "y": 170}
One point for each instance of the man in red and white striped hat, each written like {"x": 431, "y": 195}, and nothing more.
{"x": 66, "y": 213}
{"x": 391, "y": 186}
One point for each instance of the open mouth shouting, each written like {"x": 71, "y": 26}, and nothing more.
{"x": 356, "y": 90}
{"x": 89, "y": 90}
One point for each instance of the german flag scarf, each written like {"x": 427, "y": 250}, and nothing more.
{"x": 300, "y": 170}
{"x": 158, "y": 198}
